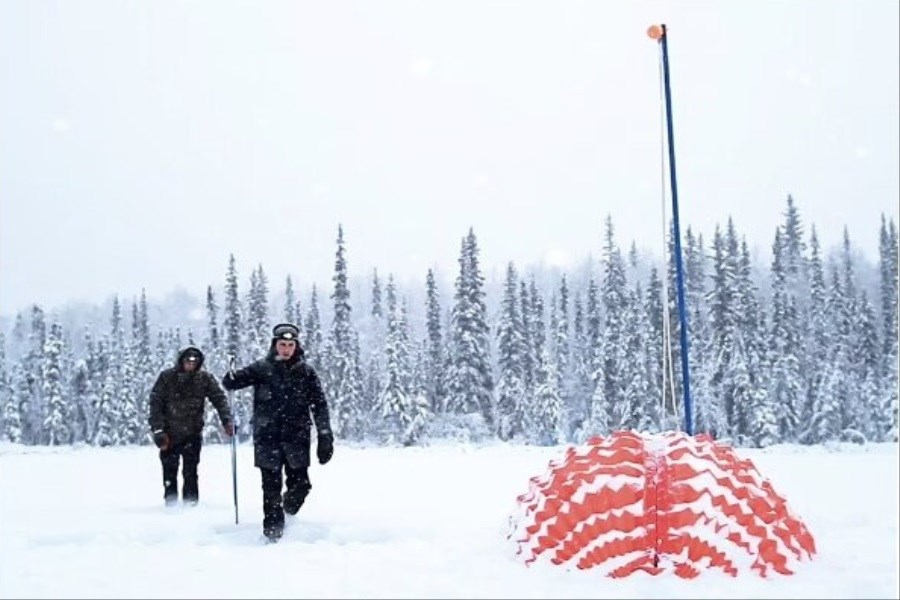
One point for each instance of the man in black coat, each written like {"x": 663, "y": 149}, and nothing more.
{"x": 286, "y": 390}
{"x": 177, "y": 403}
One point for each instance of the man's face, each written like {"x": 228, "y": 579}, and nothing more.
{"x": 285, "y": 348}
{"x": 189, "y": 365}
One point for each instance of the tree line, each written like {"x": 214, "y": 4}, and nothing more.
{"x": 798, "y": 348}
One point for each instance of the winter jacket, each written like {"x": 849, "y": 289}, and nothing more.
{"x": 285, "y": 394}
{"x": 177, "y": 400}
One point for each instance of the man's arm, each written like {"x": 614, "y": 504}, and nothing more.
{"x": 318, "y": 404}
{"x": 217, "y": 398}
{"x": 319, "y": 408}
{"x": 157, "y": 419}
{"x": 242, "y": 378}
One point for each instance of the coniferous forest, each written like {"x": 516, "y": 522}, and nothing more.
{"x": 798, "y": 344}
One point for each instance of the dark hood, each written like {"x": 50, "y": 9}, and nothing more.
{"x": 184, "y": 351}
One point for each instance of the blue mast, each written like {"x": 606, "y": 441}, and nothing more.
{"x": 679, "y": 269}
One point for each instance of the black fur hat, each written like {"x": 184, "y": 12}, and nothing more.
{"x": 286, "y": 331}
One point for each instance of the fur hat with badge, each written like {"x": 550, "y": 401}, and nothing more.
{"x": 286, "y": 331}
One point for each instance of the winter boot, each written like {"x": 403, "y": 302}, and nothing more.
{"x": 190, "y": 493}
{"x": 273, "y": 532}
{"x": 294, "y": 499}
{"x": 273, "y": 517}
{"x": 170, "y": 492}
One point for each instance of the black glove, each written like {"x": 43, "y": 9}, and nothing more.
{"x": 325, "y": 447}
{"x": 228, "y": 380}
{"x": 161, "y": 439}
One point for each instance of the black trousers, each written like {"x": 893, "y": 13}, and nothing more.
{"x": 188, "y": 452}
{"x": 274, "y": 504}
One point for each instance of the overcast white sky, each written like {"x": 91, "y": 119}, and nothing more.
{"x": 141, "y": 142}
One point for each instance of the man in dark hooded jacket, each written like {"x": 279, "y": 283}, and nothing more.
{"x": 177, "y": 403}
{"x": 286, "y": 390}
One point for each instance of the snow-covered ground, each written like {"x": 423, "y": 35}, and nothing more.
{"x": 392, "y": 523}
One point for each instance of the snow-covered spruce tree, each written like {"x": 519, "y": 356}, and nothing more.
{"x": 592, "y": 348}
{"x": 527, "y": 357}
{"x": 795, "y": 273}
{"x": 691, "y": 287}
{"x": 141, "y": 329}
{"x": 398, "y": 396}
{"x": 889, "y": 407}
{"x": 97, "y": 362}
{"x": 109, "y": 416}
{"x": 18, "y": 336}
{"x": 133, "y": 428}
{"x": 234, "y": 348}
{"x": 312, "y": 331}
{"x": 786, "y": 385}
{"x": 825, "y": 421}
{"x": 712, "y": 416}
{"x": 731, "y": 407}
{"x": 543, "y": 416}
{"x": 794, "y": 266}
{"x": 697, "y": 292}
{"x": 82, "y": 389}
{"x": 642, "y": 400}
{"x": 652, "y": 312}
{"x": 888, "y": 280}
{"x": 81, "y": 398}
{"x": 510, "y": 352}
{"x": 561, "y": 353}
{"x": 344, "y": 376}
{"x": 615, "y": 295}
{"x": 6, "y": 392}
{"x": 762, "y": 415}
{"x": 298, "y": 314}
{"x": 435, "y": 388}
{"x": 144, "y": 369}
{"x": 33, "y": 405}
{"x": 372, "y": 328}
{"x": 470, "y": 384}
{"x": 372, "y": 387}
{"x": 867, "y": 364}
{"x": 233, "y": 317}
{"x": 12, "y": 408}
{"x": 587, "y": 419}
{"x": 290, "y": 313}
{"x": 537, "y": 334}
{"x": 258, "y": 328}
{"x": 836, "y": 392}
{"x": 816, "y": 417}
{"x": 754, "y": 412}
{"x": 213, "y": 342}
{"x": 214, "y": 362}
{"x": 598, "y": 420}
{"x": 853, "y": 407}
{"x": 377, "y": 309}
{"x": 116, "y": 398}
{"x": 57, "y": 419}
{"x": 888, "y": 263}
{"x": 418, "y": 411}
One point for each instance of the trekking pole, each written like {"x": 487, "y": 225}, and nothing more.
{"x": 233, "y": 443}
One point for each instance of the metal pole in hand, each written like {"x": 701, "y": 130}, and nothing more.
{"x": 233, "y": 443}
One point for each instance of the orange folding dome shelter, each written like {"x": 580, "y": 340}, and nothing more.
{"x": 663, "y": 503}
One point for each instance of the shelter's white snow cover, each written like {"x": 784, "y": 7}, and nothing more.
{"x": 658, "y": 503}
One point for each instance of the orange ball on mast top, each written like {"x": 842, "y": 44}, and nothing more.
{"x": 655, "y": 32}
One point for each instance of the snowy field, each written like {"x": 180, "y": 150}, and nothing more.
{"x": 390, "y": 523}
